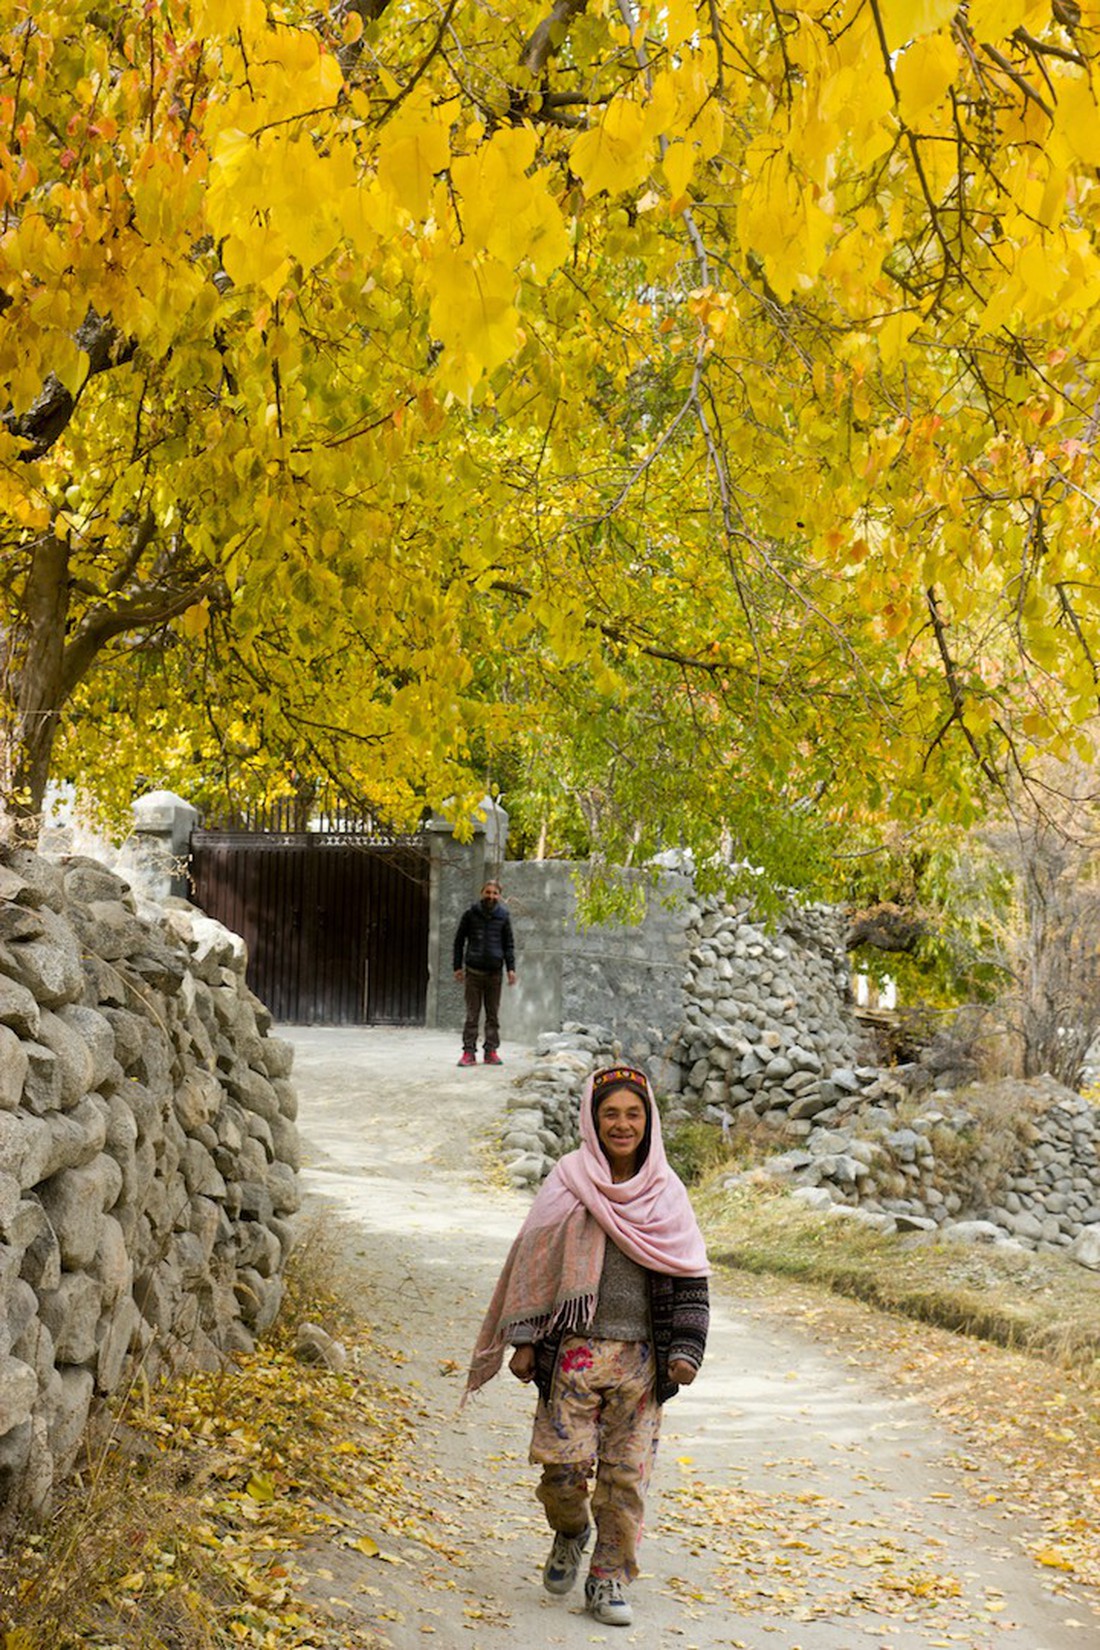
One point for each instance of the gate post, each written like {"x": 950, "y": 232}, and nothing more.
{"x": 458, "y": 873}
{"x": 163, "y": 823}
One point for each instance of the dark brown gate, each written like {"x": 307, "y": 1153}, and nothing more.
{"x": 336, "y": 924}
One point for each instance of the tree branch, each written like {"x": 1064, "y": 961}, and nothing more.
{"x": 955, "y": 690}
{"x": 44, "y": 421}
{"x": 144, "y": 612}
{"x": 548, "y": 36}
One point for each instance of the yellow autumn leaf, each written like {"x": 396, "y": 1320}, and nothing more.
{"x": 226, "y": 17}
{"x": 1077, "y": 117}
{"x": 923, "y": 73}
{"x": 311, "y": 236}
{"x": 996, "y": 19}
{"x": 365, "y": 216}
{"x": 906, "y": 20}
{"x": 473, "y": 308}
{"x": 259, "y": 258}
{"x": 781, "y": 219}
{"x": 495, "y": 169}
{"x": 548, "y": 243}
{"x": 297, "y": 75}
{"x": 681, "y": 21}
{"x": 231, "y": 155}
{"x": 367, "y": 1544}
{"x": 409, "y": 157}
{"x": 615, "y": 155}
{"x": 708, "y": 128}
{"x": 678, "y": 166}
{"x": 894, "y": 334}
{"x": 69, "y": 363}
{"x": 506, "y": 209}
{"x": 195, "y": 621}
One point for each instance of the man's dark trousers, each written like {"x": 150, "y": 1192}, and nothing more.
{"x": 482, "y": 992}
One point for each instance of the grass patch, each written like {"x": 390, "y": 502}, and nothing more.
{"x": 698, "y": 1150}
{"x": 1037, "y": 1303}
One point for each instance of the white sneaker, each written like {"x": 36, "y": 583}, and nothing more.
{"x": 603, "y": 1598}
{"x": 560, "y": 1570}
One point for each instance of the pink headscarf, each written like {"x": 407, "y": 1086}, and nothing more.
{"x": 552, "y": 1275}
{"x": 649, "y": 1216}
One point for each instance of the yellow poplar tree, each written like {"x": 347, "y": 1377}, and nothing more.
{"x": 699, "y": 398}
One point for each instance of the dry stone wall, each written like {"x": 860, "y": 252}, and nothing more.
{"x": 761, "y": 1028}
{"x": 1011, "y": 1163}
{"x": 768, "y": 1027}
{"x": 768, "y": 1040}
{"x": 148, "y": 1152}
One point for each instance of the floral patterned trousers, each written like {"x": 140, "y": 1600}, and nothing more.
{"x": 603, "y": 1416}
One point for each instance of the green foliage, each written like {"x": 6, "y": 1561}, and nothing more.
{"x": 961, "y": 892}
{"x": 698, "y": 1149}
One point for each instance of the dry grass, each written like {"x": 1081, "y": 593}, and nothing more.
{"x": 113, "y": 1565}
{"x": 178, "y": 1530}
{"x": 1035, "y": 1302}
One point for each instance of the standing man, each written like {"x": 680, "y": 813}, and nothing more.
{"x": 483, "y": 949}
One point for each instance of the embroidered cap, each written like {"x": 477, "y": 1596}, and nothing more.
{"x": 618, "y": 1077}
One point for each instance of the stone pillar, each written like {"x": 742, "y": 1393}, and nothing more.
{"x": 458, "y": 872}
{"x": 160, "y": 842}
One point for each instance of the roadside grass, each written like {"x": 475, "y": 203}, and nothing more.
{"x": 185, "y": 1524}
{"x": 1037, "y": 1303}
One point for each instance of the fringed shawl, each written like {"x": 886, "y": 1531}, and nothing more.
{"x": 551, "y": 1277}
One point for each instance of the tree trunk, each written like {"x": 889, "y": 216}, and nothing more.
{"x": 32, "y": 684}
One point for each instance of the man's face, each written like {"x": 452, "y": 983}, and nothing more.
{"x": 490, "y": 894}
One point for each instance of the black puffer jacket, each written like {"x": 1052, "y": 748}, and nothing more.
{"x": 484, "y": 940}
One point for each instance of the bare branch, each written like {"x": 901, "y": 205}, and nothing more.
{"x": 955, "y": 690}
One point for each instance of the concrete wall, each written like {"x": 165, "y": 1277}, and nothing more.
{"x": 627, "y": 977}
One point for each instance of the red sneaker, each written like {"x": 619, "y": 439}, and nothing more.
{"x": 466, "y": 1058}
{"x": 492, "y": 1058}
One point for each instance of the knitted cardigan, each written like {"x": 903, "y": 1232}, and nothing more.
{"x": 679, "y": 1311}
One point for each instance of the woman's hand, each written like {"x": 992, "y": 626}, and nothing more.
{"x": 680, "y": 1371}
{"x": 522, "y": 1363}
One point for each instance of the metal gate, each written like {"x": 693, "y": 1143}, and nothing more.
{"x": 336, "y": 925}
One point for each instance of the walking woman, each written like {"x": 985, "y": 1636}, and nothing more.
{"x": 604, "y": 1299}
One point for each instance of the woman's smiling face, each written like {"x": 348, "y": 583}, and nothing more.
{"x": 620, "y": 1126}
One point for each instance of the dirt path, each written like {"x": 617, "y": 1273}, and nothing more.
{"x": 800, "y": 1499}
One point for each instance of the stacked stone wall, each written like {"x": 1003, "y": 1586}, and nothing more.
{"x": 760, "y": 1026}
{"x": 768, "y": 1027}
{"x": 148, "y": 1153}
{"x": 768, "y": 1041}
{"x": 1008, "y": 1162}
